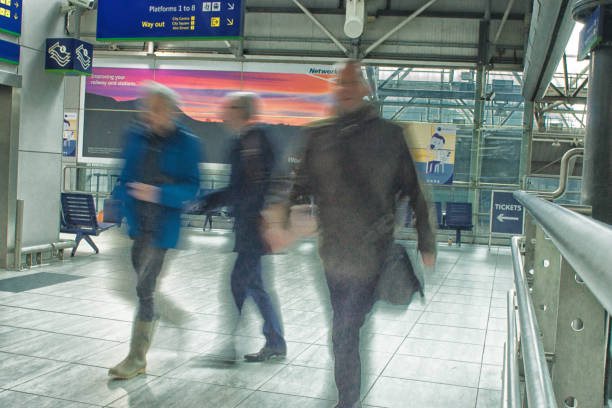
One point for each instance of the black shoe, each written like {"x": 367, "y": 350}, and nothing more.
{"x": 266, "y": 353}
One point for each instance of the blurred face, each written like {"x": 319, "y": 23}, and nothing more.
{"x": 350, "y": 88}
{"x": 157, "y": 114}
{"x": 233, "y": 116}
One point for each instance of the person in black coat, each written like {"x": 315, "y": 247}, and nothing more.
{"x": 252, "y": 160}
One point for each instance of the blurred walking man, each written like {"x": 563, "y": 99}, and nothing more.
{"x": 358, "y": 167}
{"x": 252, "y": 160}
{"x": 159, "y": 175}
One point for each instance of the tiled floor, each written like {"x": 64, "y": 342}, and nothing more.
{"x": 57, "y": 342}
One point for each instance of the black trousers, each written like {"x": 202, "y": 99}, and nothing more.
{"x": 147, "y": 260}
{"x": 351, "y": 300}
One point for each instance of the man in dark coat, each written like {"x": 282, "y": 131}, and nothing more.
{"x": 160, "y": 174}
{"x": 358, "y": 167}
{"x": 252, "y": 160}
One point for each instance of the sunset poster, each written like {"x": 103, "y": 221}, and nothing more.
{"x": 291, "y": 97}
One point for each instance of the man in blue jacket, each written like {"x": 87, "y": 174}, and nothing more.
{"x": 159, "y": 175}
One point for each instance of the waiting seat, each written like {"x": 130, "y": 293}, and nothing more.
{"x": 79, "y": 217}
{"x": 459, "y": 217}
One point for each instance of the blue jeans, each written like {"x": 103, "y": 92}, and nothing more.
{"x": 246, "y": 280}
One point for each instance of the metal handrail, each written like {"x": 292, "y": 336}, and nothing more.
{"x": 583, "y": 242}
{"x": 563, "y": 175}
{"x": 537, "y": 377}
{"x": 511, "y": 387}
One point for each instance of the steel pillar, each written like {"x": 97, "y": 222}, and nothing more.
{"x": 597, "y": 164}
{"x": 525, "y": 163}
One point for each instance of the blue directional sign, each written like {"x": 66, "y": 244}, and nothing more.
{"x": 10, "y": 16}
{"x": 507, "y": 214}
{"x": 138, "y": 20}
{"x": 69, "y": 55}
{"x": 591, "y": 34}
{"x": 9, "y": 52}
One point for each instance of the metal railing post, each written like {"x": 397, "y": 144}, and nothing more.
{"x": 537, "y": 377}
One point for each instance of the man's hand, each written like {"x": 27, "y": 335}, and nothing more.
{"x": 144, "y": 192}
{"x": 429, "y": 259}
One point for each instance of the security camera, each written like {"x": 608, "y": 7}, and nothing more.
{"x": 85, "y": 4}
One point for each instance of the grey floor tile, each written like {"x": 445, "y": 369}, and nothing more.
{"x": 491, "y": 377}
{"x": 493, "y": 355}
{"x": 17, "y": 369}
{"x": 316, "y": 356}
{"x": 434, "y": 370}
{"x": 59, "y": 347}
{"x": 448, "y": 333}
{"x": 187, "y": 340}
{"x": 456, "y": 320}
{"x": 20, "y": 399}
{"x": 240, "y": 375}
{"x": 159, "y": 361}
{"x": 89, "y": 320}
{"x": 499, "y": 312}
{"x": 496, "y": 338}
{"x": 319, "y": 383}
{"x": 462, "y": 283}
{"x": 86, "y": 384}
{"x": 488, "y": 399}
{"x": 458, "y": 308}
{"x": 471, "y": 353}
{"x": 167, "y": 392}
{"x": 497, "y": 324}
{"x": 389, "y": 327}
{"x": 260, "y": 399}
{"x": 14, "y": 335}
{"x": 461, "y": 299}
{"x": 395, "y": 392}
{"x": 454, "y": 290}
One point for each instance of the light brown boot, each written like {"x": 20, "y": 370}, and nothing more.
{"x": 135, "y": 363}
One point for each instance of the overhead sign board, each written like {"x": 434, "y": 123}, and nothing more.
{"x": 138, "y": 20}
{"x": 10, "y": 16}
{"x": 69, "y": 55}
{"x": 507, "y": 214}
{"x": 9, "y": 52}
{"x": 591, "y": 34}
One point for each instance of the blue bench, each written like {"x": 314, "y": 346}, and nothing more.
{"x": 437, "y": 208}
{"x": 79, "y": 217}
{"x": 458, "y": 217}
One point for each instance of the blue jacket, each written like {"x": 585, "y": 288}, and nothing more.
{"x": 179, "y": 161}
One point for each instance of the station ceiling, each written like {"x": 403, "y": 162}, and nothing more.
{"x": 447, "y": 33}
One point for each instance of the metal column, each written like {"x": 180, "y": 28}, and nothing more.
{"x": 9, "y": 130}
{"x": 479, "y": 100}
{"x": 525, "y": 163}
{"x": 597, "y": 163}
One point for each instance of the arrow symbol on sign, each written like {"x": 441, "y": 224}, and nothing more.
{"x": 230, "y": 21}
{"x": 230, "y": 6}
{"x": 502, "y": 218}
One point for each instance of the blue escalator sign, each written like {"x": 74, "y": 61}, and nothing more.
{"x": 507, "y": 214}
{"x": 137, "y": 20}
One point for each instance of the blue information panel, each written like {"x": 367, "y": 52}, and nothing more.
{"x": 591, "y": 34}
{"x": 507, "y": 214}
{"x": 9, "y": 52}
{"x": 10, "y": 16}
{"x": 121, "y": 20}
